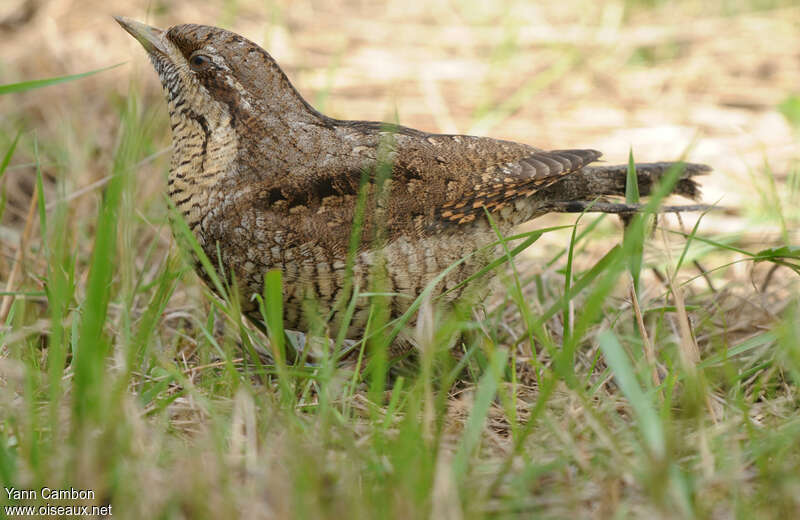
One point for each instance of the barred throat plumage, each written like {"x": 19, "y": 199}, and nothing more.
{"x": 202, "y": 154}
{"x": 203, "y": 147}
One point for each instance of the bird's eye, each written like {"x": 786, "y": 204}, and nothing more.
{"x": 199, "y": 62}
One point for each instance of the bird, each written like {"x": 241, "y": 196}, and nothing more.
{"x": 264, "y": 181}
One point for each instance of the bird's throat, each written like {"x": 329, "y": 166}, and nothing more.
{"x": 204, "y": 147}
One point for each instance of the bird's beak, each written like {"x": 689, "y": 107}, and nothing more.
{"x": 149, "y": 37}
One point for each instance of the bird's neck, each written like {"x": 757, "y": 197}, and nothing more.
{"x": 204, "y": 147}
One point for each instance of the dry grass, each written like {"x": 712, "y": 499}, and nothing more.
{"x": 190, "y": 430}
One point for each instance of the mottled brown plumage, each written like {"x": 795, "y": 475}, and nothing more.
{"x": 265, "y": 181}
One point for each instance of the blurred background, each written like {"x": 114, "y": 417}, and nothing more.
{"x": 715, "y": 81}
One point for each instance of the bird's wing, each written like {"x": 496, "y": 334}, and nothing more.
{"x": 500, "y": 183}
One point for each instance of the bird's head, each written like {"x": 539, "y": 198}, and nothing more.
{"x": 215, "y": 73}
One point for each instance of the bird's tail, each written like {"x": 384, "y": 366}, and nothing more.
{"x": 611, "y": 180}
{"x": 585, "y": 190}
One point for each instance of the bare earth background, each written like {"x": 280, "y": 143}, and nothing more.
{"x": 716, "y": 82}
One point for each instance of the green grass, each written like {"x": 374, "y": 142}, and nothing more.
{"x": 122, "y": 374}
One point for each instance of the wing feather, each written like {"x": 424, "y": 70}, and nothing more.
{"x": 505, "y": 182}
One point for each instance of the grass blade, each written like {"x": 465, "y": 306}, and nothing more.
{"x": 646, "y": 415}
{"x": 40, "y": 83}
{"x": 487, "y": 389}
{"x": 634, "y": 233}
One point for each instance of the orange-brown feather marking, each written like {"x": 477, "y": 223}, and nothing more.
{"x": 521, "y": 178}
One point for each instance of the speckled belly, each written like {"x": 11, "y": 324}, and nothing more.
{"x": 315, "y": 284}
